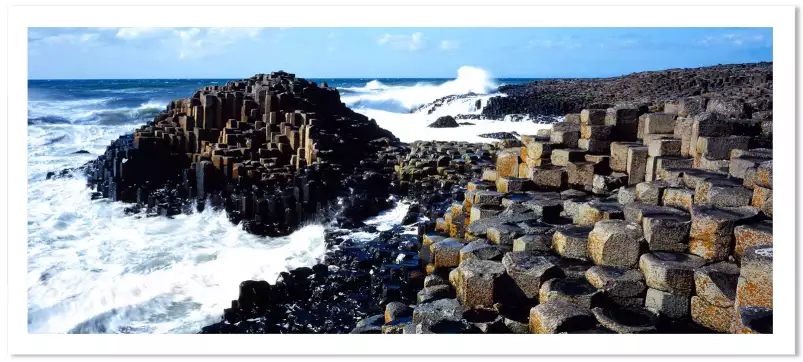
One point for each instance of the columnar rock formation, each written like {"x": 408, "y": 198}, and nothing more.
{"x": 616, "y": 220}
{"x": 274, "y": 149}
{"x": 631, "y": 217}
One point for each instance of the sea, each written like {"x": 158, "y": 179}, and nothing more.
{"x": 92, "y": 268}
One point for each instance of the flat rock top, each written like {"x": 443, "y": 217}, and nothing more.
{"x": 676, "y": 260}
{"x": 575, "y": 231}
{"x": 481, "y": 267}
{"x": 569, "y": 286}
{"x": 723, "y": 214}
{"x": 616, "y": 273}
{"x": 522, "y": 261}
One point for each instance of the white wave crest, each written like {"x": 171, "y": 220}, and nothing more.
{"x": 88, "y": 112}
{"x": 401, "y": 99}
{"x": 374, "y": 84}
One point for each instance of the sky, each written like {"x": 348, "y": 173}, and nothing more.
{"x": 234, "y": 53}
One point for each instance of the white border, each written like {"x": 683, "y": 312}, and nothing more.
{"x": 781, "y": 18}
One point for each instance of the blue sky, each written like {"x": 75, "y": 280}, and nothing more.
{"x": 82, "y": 53}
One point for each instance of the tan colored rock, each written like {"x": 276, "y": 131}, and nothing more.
{"x": 670, "y": 272}
{"x": 716, "y": 283}
{"x": 478, "y": 282}
{"x": 750, "y": 235}
{"x": 679, "y": 198}
{"x": 549, "y": 177}
{"x": 673, "y": 306}
{"x": 619, "y": 151}
{"x": 539, "y": 150}
{"x": 617, "y": 282}
{"x": 590, "y": 213}
{"x": 489, "y": 175}
{"x": 576, "y": 291}
{"x": 571, "y": 242}
{"x": 446, "y": 253}
{"x": 507, "y": 164}
{"x": 597, "y": 132}
{"x": 636, "y": 164}
{"x": 512, "y": 184}
{"x": 664, "y": 147}
{"x": 559, "y": 316}
{"x": 562, "y": 157}
{"x": 659, "y": 123}
{"x": 615, "y": 243}
{"x": 754, "y": 288}
{"x": 711, "y": 316}
{"x": 711, "y": 234}
{"x": 592, "y": 116}
{"x": 764, "y": 174}
{"x": 762, "y": 199}
{"x": 427, "y": 240}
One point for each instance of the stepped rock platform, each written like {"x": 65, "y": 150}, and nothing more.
{"x": 651, "y": 214}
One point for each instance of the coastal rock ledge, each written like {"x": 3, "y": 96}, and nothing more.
{"x": 638, "y": 216}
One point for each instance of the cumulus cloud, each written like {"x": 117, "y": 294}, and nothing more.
{"x": 412, "y": 42}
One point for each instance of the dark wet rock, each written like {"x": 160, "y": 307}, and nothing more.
{"x": 444, "y": 122}
{"x": 498, "y": 135}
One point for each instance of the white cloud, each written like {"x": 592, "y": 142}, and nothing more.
{"x": 197, "y": 43}
{"x": 411, "y": 42}
{"x": 738, "y": 40}
{"x": 449, "y": 45}
{"x": 71, "y": 39}
{"x": 140, "y": 33}
{"x": 192, "y": 42}
{"x": 566, "y": 42}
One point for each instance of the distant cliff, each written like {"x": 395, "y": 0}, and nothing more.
{"x": 738, "y": 91}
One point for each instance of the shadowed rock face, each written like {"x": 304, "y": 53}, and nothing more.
{"x": 739, "y": 89}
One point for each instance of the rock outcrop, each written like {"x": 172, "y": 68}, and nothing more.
{"x": 444, "y": 122}
{"x": 274, "y": 150}
{"x": 736, "y": 90}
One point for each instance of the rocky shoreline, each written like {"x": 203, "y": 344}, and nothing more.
{"x": 648, "y": 210}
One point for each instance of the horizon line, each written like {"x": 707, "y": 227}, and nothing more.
{"x": 235, "y": 78}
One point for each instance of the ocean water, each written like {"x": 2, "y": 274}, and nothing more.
{"x": 94, "y": 269}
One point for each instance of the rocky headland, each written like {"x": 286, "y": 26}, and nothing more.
{"x": 647, "y": 210}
